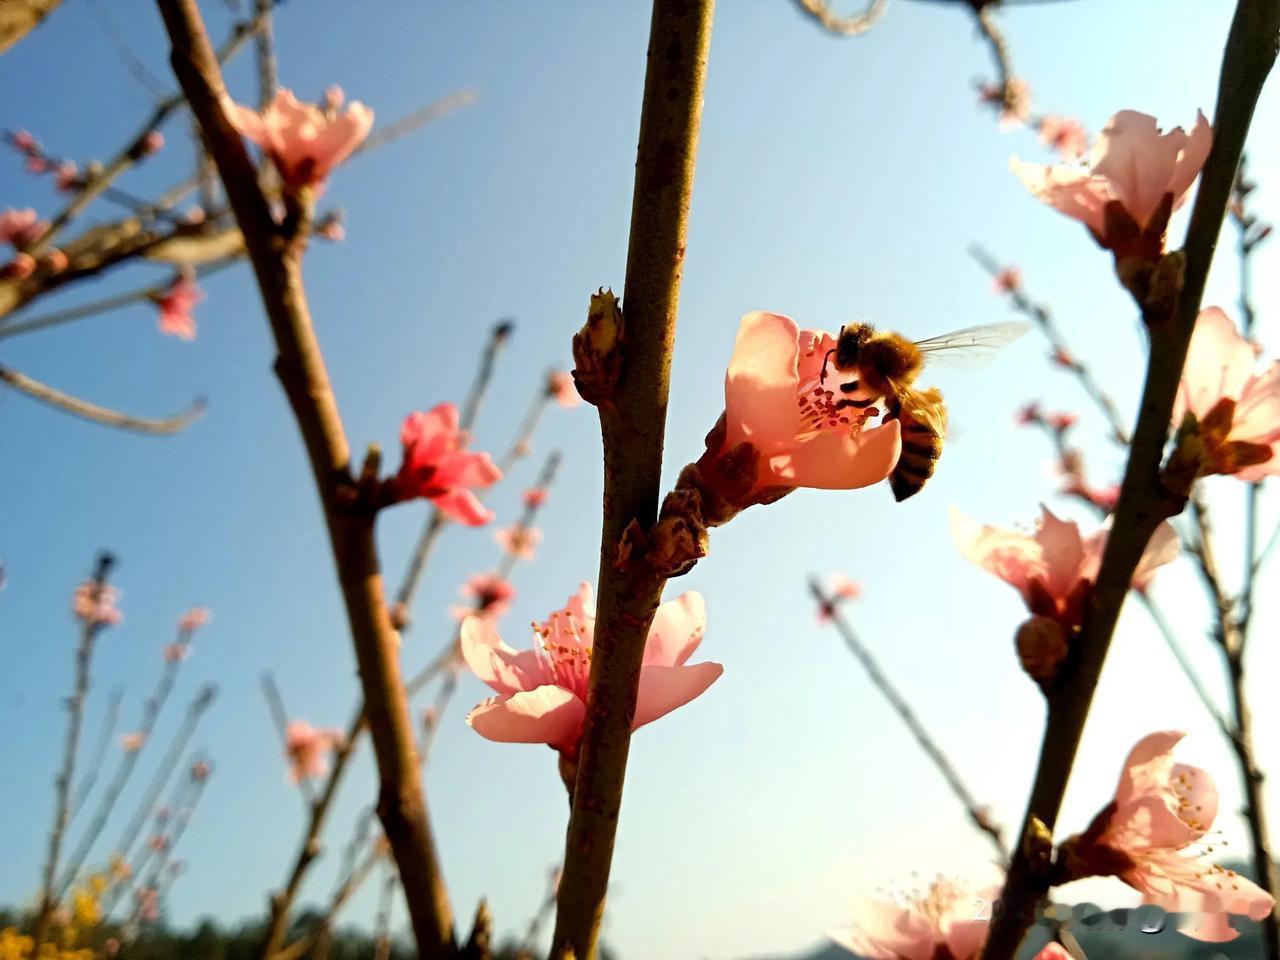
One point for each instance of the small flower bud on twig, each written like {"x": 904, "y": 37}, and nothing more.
{"x": 596, "y": 349}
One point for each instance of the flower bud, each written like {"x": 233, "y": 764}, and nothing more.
{"x": 596, "y": 353}
{"x": 153, "y": 142}
{"x": 19, "y": 268}
{"x": 1041, "y": 648}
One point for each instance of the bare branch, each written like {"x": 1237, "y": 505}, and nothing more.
{"x": 847, "y": 26}
{"x": 90, "y": 411}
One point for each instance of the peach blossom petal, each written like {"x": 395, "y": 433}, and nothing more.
{"x": 548, "y": 714}
{"x": 838, "y": 461}
{"x": 885, "y": 931}
{"x": 503, "y": 668}
{"x": 462, "y": 506}
{"x": 1138, "y": 160}
{"x": 760, "y": 384}
{"x": 1069, "y": 190}
{"x": 1257, "y": 416}
{"x": 663, "y": 689}
{"x": 677, "y": 630}
{"x": 966, "y": 937}
{"x": 1195, "y": 152}
{"x": 1219, "y": 364}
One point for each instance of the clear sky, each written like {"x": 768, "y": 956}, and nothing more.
{"x": 837, "y": 180}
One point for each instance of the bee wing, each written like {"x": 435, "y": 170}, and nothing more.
{"x": 972, "y": 345}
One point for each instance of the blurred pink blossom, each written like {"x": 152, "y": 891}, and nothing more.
{"x": 1062, "y": 420}
{"x": 542, "y": 692}
{"x": 535, "y": 496}
{"x": 20, "y": 267}
{"x": 938, "y": 924}
{"x": 437, "y": 466}
{"x": 307, "y": 749}
{"x": 491, "y": 596}
{"x": 1028, "y": 414}
{"x": 194, "y": 619}
{"x": 21, "y": 228}
{"x": 66, "y": 176}
{"x": 176, "y": 305}
{"x": 132, "y": 742}
{"x": 94, "y": 602}
{"x": 1065, "y": 135}
{"x": 200, "y": 770}
{"x": 561, "y": 388}
{"x": 518, "y": 540}
{"x": 1007, "y": 280}
{"x": 153, "y": 142}
{"x": 304, "y": 142}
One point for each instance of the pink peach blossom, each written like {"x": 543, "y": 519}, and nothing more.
{"x": 20, "y": 227}
{"x": 1132, "y": 165}
{"x": 490, "y": 594}
{"x": 938, "y": 925}
{"x": 518, "y": 540}
{"x": 1063, "y": 420}
{"x": 561, "y": 389}
{"x": 24, "y": 141}
{"x": 177, "y": 652}
{"x": 307, "y": 749}
{"x": 158, "y": 842}
{"x": 542, "y": 692}
{"x": 304, "y": 142}
{"x": 436, "y": 466}
{"x": 1063, "y": 358}
{"x": 1063, "y": 134}
{"x": 147, "y": 904}
{"x": 1238, "y": 408}
{"x": 839, "y": 589}
{"x": 1053, "y": 565}
{"x": 1007, "y": 280}
{"x": 194, "y": 619}
{"x": 54, "y": 260}
{"x": 774, "y": 400}
{"x": 1149, "y": 836}
{"x": 332, "y": 230}
{"x": 176, "y": 305}
{"x": 95, "y": 603}
{"x": 153, "y": 142}
{"x": 132, "y": 742}
{"x": 535, "y": 496}
{"x": 66, "y": 176}
{"x": 1028, "y": 414}
{"x": 200, "y": 770}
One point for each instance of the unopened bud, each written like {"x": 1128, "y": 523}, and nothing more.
{"x": 153, "y": 142}
{"x": 1041, "y": 648}
{"x": 596, "y": 355}
{"x": 19, "y": 268}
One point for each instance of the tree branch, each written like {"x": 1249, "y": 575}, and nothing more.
{"x": 91, "y": 411}
{"x": 301, "y": 370}
{"x": 846, "y": 26}
{"x": 633, "y": 426}
{"x": 1144, "y": 502}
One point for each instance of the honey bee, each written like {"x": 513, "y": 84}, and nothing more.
{"x": 886, "y": 365}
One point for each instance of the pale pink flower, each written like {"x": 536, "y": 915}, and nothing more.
{"x": 147, "y": 904}
{"x": 132, "y": 742}
{"x": 938, "y": 925}
{"x": 20, "y": 227}
{"x": 176, "y": 652}
{"x": 1053, "y": 951}
{"x": 535, "y": 496}
{"x": 1054, "y": 567}
{"x": 36, "y": 163}
{"x": 1065, "y": 135}
{"x": 436, "y": 466}
{"x": 158, "y": 842}
{"x": 194, "y": 619}
{"x": 1141, "y": 173}
{"x": 1007, "y": 280}
{"x": 66, "y": 176}
{"x": 1028, "y": 414}
{"x": 153, "y": 142}
{"x": 307, "y": 749}
{"x": 1150, "y": 837}
{"x": 1062, "y": 420}
{"x": 176, "y": 305}
{"x": 806, "y": 436}
{"x": 94, "y": 602}
{"x": 1238, "y": 408}
{"x": 24, "y": 141}
{"x": 561, "y": 388}
{"x": 200, "y": 770}
{"x": 20, "y": 267}
{"x": 490, "y": 596}
{"x": 302, "y": 140}
{"x": 542, "y": 692}
{"x": 518, "y": 540}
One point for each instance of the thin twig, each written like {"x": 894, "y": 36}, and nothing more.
{"x": 978, "y": 814}
{"x": 1039, "y": 314}
{"x": 1166, "y": 631}
{"x": 266, "y": 51}
{"x": 89, "y": 630}
{"x": 152, "y": 707}
{"x": 105, "y": 736}
{"x": 93, "y": 412}
{"x": 1144, "y": 500}
{"x": 633, "y": 427}
{"x": 14, "y": 328}
{"x": 848, "y": 25}
{"x": 277, "y": 262}
{"x": 433, "y": 111}
{"x": 280, "y": 717}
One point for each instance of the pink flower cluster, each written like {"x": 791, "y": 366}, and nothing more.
{"x": 95, "y": 603}
{"x": 490, "y": 597}
{"x": 176, "y": 304}
{"x": 307, "y": 749}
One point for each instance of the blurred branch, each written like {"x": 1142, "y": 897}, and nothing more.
{"x": 105, "y": 737}
{"x": 1039, "y": 314}
{"x": 266, "y": 49}
{"x": 93, "y": 309}
{"x": 91, "y": 411}
{"x": 978, "y": 814}
{"x": 300, "y": 367}
{"x": 848, "y": 26}
{"x": 91, "y": 626}
{"x": 1145, "y": 501}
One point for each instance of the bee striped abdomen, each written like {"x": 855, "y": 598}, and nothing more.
{"x": 923, "y": 418}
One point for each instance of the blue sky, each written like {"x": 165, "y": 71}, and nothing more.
{"x": 837, "y": 180}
